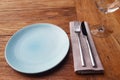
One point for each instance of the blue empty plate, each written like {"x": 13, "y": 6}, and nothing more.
{"x": 37, "y": 48}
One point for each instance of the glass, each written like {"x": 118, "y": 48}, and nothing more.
{"x": 105, "y": 7}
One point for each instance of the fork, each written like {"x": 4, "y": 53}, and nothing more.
{"x": 77, "y": 30}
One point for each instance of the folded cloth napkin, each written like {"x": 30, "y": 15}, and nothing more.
{"x": 88, "y": 68}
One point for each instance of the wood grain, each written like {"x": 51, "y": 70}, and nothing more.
{"x": 15, "y": 14}
{"x": 18, "y": 19}
{"x": 109, "y": 47}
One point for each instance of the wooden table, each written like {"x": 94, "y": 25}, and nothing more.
{"x": 15, "y": 14}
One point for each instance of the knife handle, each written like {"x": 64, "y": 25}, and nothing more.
{"x": 90, "y": 53}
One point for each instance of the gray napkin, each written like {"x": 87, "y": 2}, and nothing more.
{"x": 78, "y": 68}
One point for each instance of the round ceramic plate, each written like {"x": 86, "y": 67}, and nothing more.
{"x": 37, "y": 48}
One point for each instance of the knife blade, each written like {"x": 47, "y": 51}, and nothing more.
{"x": 84, "y": 31}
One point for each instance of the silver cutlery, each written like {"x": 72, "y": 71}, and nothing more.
{"x": 78, "y": 32}
{"x": 87, "y": 41}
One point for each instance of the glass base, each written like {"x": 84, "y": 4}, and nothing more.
{"x": 101, "y": 31}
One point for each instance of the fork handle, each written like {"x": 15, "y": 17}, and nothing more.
{"x": 81, "y": 53}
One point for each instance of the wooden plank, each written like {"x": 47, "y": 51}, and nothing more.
{"x": 17, "y": 14}
{"x": 109, "y": 47}
{"x": 18, "y": 19}
{"x": 8, "y": 5}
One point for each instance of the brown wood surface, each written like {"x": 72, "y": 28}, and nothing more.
{"x": 15, "y": 14}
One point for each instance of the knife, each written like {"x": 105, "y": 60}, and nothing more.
{"x": 83, "y": 28}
